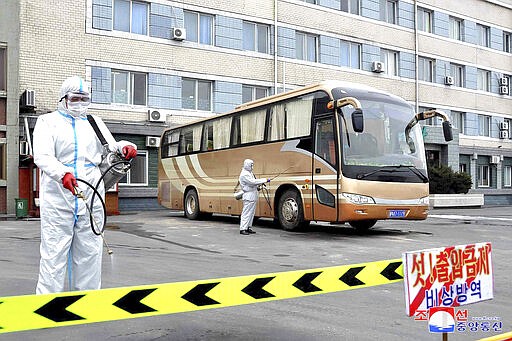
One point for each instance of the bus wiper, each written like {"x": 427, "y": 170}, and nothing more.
{"x": 392, "y": 169}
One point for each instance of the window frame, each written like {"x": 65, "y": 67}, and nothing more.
{"x": 391, "y": 6}
{"x": 385, "y": 55}
{"x": 425, "y": 62}
{"x": 199, "y": 27}
{"x": 130, "y": 86}
{"x": 507, "y": 42}
{"x": 457, "y": 71}
{"x": 196, "y": 94}
{"x": 254, "y": 89}
{"x": 481, "y": 180}
{"x": 256, "y": 36}
{"x": 130, "y": 16}
{"x": 305, "y": 45}
{"x": 458, "y": 23}
{"x": 3, "y": 68}
{"x": 484, "y": 125}
{"x": 350, "y": 47}
{"x": 483, "y": 35}
{"x": 483, "y": 80}
{"x": 507, "y": 176}
{"x": 128, "y": 182}
{"x": 425, "y": 19}
{"x": 347, "y": 6}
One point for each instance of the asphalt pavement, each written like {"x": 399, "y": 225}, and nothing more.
{"x": 162, "y": 247}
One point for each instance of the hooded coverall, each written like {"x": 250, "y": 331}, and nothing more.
{"x": 64, "y": 141}
{"x": 249, "y": 185}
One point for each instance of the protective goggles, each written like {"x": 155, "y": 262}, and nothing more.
{"x": 76, "y": 98}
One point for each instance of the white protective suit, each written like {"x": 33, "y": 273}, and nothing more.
{"x": 249, "y": 185}
{"x": 64, "y": 141}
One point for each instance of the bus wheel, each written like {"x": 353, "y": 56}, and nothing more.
{"x": 290, "y": 212}
{"x": 362, "y": 225}
{"x": 191, "y": 205}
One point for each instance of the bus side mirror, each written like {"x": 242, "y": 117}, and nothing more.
{"x": 447, "y": 131}
{"x": 357, "y": 121}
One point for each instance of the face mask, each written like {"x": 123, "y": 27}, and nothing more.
{"x": 77, "y": 108}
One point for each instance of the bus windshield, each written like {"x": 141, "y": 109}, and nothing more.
{"x": 383, "y": 152}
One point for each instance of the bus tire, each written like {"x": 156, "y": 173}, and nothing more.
{"x": 191, "y": 205}
{"x": 290, "y": 212}
{"x": 363, "y": 225}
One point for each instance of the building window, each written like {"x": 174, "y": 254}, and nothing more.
{"x": 426, "y": 69}
{"x": 306, "y": 46}
{"x": 463, "y": 168}
{"x": 131, "y": 16}
{"x": 3, "y": 163}
{"x": 483, "y": 80}
{"x": 483, "y": 35}
{"x": 129, "y": 87}
{"x": 256, "y": 37}
{"x": 509, "y": 121}
{"x": 252, "y": 93}
{"x": 390, "y": 59}
{"x": 507, "y": 42}
{"x": 3, "y": 69}
{"x": 310, "y": 1}
{"x": 458, "y": 121}
{"x": 507, "y": 175}
{"x": 391, "y": 11}
{"x": 483, "y": 176}
{"x": 196, "y": 94}
{"x": 350, "y": 6}
{"x": 350, "y": 54}
{"x": 484, "y": 125}
{"x": 138, "y": 173}
{"x": 425, "y": 20}
{"x": 456, "y": 28}
{"x": 199, "y": 27}
{"x": 457, "y": 72}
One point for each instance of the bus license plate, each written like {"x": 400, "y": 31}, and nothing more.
{"x": 396, "y": 213}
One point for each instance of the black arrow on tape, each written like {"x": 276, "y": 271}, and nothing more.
{"x": 131, "y": 301}
{"x": 349, "y": 277}
{"x": 55, "y": 310}
{"x": 197, "y": 295}
{"x": 255, "y": 288}
{"x": 304, "y": 283}
{"x": 390, "y": 271}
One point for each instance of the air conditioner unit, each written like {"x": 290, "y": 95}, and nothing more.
{"x": 152, "y": 141}
{"x": 448, "y": 80}
{"x": 503, "y": 90}
{"x": 28, "y": 99}
{"x": 495, "y": 159}
{"x": 178, "y": 33}
{"x": 24, "y": 148}
{"x": 504, "y": 125}
{"x": 377, "y": 67}
{"x": 503, "y": 134}
{"x": 503, "y": 81}
{"x": 155, "y": 116}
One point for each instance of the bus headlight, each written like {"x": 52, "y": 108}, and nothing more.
{"x": 424, "y": 201}
{"x": 358, "y": 199}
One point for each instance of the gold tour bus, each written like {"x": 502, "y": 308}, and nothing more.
{"x": 335, "y": 151}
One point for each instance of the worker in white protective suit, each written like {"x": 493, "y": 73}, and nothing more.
{"x": 66, "y": 148}
{"x": 249, "y": 185}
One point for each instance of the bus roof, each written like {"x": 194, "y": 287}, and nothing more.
{"x": 326, "y": 85}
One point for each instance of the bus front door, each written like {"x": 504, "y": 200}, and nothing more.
{"x": 324, "y": 178}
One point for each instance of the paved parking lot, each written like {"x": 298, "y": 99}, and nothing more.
{"x": 162, "y": 246}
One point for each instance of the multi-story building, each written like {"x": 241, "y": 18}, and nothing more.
{"x": 157, "y": 63}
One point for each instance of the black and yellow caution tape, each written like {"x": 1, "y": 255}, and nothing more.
{"x": 28, "y": 312}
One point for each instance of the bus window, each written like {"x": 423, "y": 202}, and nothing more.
{"x": 208, "y": 136}
{"x": 276, "y": 123}
{"x": 252, "y": 126}
{"x": 170, "y": 143}
{"x": 221, "y": 132}
{"x": 190, "y": 139}
{"x": 324, "y": 140}
{"x": 298, "y": 116}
